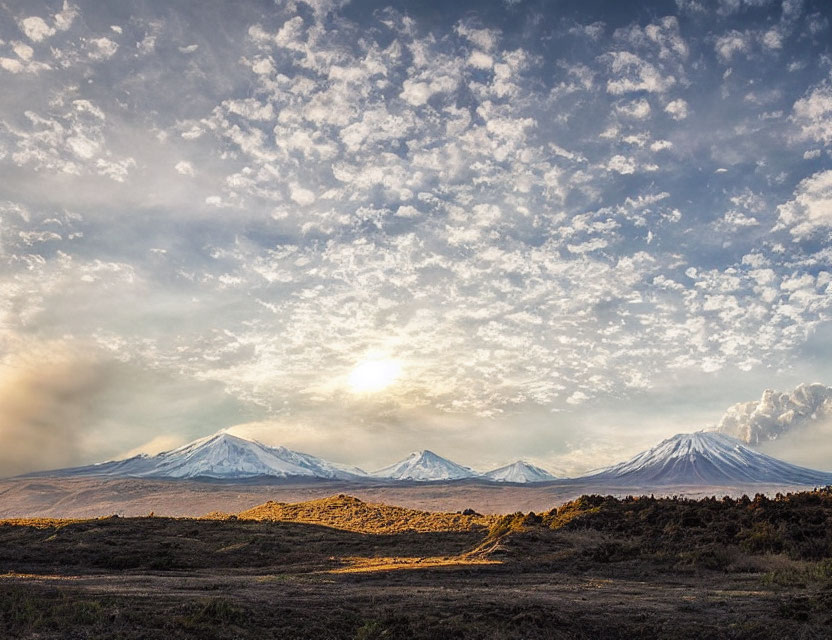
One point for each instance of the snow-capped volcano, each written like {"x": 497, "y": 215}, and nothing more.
{"x": 705, "y": 458}
{"x": 222, "y": 456}
{"x": 425, "y": 466}
{"x": 520, "y": 472}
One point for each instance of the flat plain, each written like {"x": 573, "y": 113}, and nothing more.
{"x": 339, "y": 567}
{"x": 87, "y": 497}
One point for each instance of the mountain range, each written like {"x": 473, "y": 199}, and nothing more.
{"x": 224, "y": 456}
{"x": 701, "y": 458}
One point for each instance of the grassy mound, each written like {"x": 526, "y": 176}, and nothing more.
{"x": 351, "y": 514}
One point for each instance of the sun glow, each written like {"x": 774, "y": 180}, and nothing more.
{"x": 374, "y": 375}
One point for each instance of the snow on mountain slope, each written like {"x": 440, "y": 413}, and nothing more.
{"x": 776, "y": 413}
{"x": 425, "y": 466}
{"x": 705, "y": 458}
{"x": 221, "y": 456}
{"x": 520, "y": 472}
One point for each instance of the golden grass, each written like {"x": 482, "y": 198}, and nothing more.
{"x": 16, "y": 575}
{"x": 351, "y": 514}
{"x": 42, "y": 523}
{"x": 218, "y": 515}
{"x": 372, "y": 565}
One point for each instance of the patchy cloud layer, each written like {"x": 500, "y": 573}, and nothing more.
{"x": 536, "y": 213}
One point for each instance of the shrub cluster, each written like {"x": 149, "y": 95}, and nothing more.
{"x": 797, "y": 524}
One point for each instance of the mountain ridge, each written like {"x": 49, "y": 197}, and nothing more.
{"x": 220, "y": 456}
{"x": 701, "y": 458}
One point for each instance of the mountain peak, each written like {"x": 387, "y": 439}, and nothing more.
{"x": 223, "y": 456}
{"x": 705, "y": 458}
{"x": 520, "y": 471}
{"x": 424, "y": 466}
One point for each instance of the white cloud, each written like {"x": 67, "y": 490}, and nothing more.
{"x": 773, "y": 39}
{"x": 661, "y": 145}
{"x": 408, "y": 211}
{"x": 303, "y": 197}
{"x": 480, "y": 60}
{"x": 23, "y": 51}
{"x": 630, "y": 73}
{"x": 592, "y": 31}
{"x": 811, "y": 208}
{"x": 485, "y": 39}
{"x": 777, "y": 414}
{"x": 67, "y": 15}
{"x": 577, "y": 397}
{"x": 813, "y": 114}
{"x": 661, "y": 37}
{"x": 736, "y": 220}
{"x": 117, "y": 170}
{"x": 621, "y": 164}
{"x": 678, "y": 109}
{"x": 636, "y": 109}
{"x": 102, "y": 48}
{"x": 417, "y": 92}
{"x": 36, "y": 28}
{"x": 250, "y": 109}
{"x": 185, "y": 168}
{"x": 11, "y": 65}
{"x": 731, "y": 43}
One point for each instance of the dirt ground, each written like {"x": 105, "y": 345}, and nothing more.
{"x": 452, "y": 602}
{"x": 518, "y": 577}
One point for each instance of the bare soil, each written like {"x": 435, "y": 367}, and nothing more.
{"x": 594, "y": 568}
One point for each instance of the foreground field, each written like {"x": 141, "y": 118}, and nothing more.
{"x": 594, "y": 568}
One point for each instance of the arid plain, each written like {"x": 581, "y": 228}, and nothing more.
{"x": 341, "y": 567}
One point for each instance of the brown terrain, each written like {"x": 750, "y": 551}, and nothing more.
{"x": 86, "y": 497}
{"x": 340, "y": 567}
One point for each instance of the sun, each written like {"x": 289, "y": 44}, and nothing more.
{"x": 373, "y": 375}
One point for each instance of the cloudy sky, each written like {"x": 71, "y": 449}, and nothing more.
{"x": 553, "y": 230}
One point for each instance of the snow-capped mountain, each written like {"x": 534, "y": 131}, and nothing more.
{"x": 777, "y": 413}
{"x": 221, "y": 456}
{"x": 425, "y": 466}
{"x": 519, "y": 472}
{"x": 705, "y": 458}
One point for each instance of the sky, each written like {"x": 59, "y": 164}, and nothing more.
{"x": 552, "y": 230}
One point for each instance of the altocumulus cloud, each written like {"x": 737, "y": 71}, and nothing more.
{"x": 537, "y": 228}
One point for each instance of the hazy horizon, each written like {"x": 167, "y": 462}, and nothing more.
{"x": 557, "y": 231}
